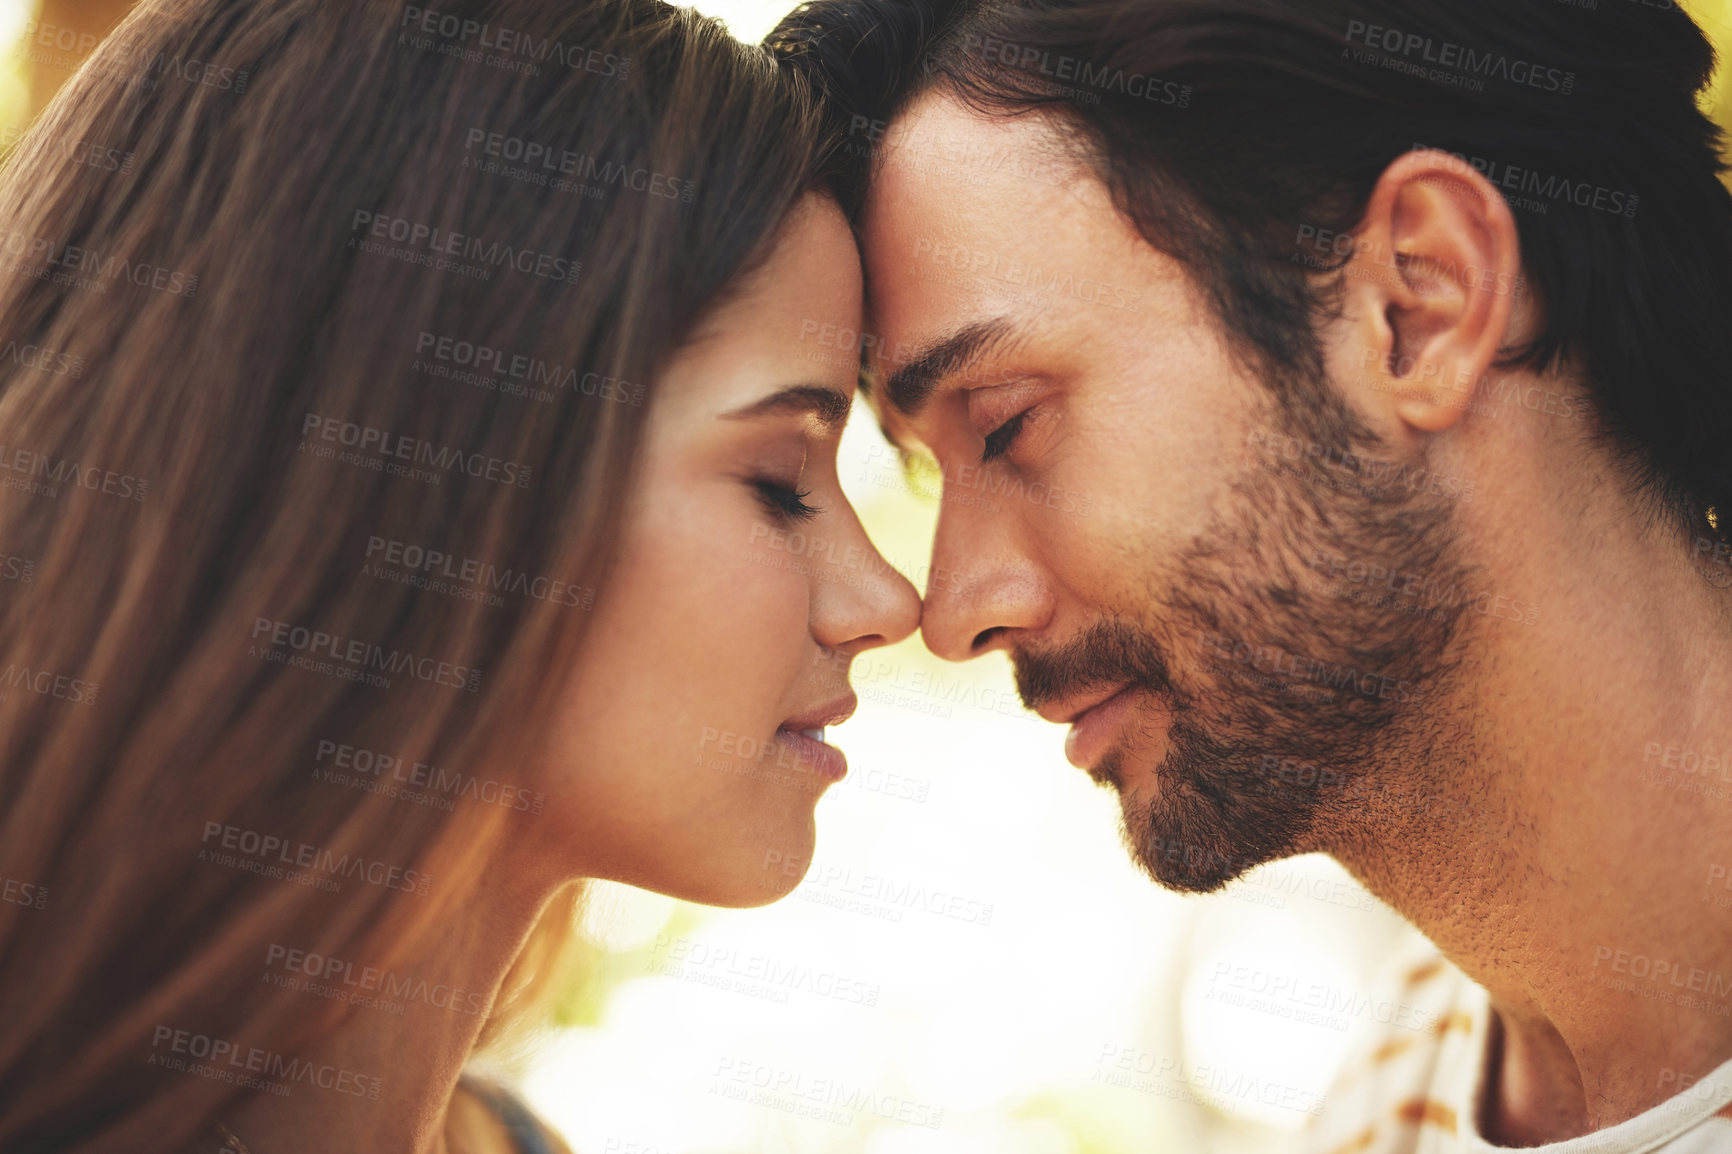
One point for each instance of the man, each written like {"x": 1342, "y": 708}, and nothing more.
{"x": 1388, "y": 347}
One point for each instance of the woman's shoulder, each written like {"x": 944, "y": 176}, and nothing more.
{"x": 488, "y": 1118}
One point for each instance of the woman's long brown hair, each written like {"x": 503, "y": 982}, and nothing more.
{"x": 298, "y": 339}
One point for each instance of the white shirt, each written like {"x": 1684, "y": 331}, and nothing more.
{"x": 1415, "y": 1089}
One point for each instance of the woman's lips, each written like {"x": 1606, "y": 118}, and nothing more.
{"x": 811, "y": 752}
{"x": 1093, "y": 731}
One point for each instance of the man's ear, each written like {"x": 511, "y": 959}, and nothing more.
{"x": 1431, "y": 285}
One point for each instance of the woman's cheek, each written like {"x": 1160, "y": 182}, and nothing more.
{"x": 770, "y": 619}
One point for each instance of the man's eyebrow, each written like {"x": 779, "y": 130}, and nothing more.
{"x": 821, "y": 401}
{"x": 910, "y": 386}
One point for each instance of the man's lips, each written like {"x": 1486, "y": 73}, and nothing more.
{"x": 1095, "y": 723}
{"x": 1068, "y": 710}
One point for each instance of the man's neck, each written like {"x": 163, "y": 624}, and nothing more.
{"x": 1581, "y": 884}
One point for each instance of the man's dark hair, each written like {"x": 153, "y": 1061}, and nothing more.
{"x": 1235, "y": 133}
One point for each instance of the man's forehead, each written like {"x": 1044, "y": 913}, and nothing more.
{"x": 946, "y": 173}
{"x": 939, "y": 112}
{"x": 939, "y": 141}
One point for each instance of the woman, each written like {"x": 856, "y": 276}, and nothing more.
{"x": 415, "y": 473}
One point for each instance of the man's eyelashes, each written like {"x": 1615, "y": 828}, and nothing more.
{"x": 785, "y": 501}
{"x": 999, "y": 441}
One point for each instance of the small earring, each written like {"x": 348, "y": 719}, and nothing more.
{"x": 1713, "y": 519}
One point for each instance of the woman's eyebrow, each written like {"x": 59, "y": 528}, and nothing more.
{"x": 827, "y": 404}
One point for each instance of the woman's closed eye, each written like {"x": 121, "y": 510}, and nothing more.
{"x": 785, "y": 501}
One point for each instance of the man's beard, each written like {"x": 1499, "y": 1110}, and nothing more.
{"x": 1300, "y": 718}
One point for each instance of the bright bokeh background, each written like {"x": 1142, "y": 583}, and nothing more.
{"x": 1009, "y": 984}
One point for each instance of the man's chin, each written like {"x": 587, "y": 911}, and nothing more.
{"x": 1184, "y": 864}
{"x": 1194, "y": 840}
{"x": 1105, "y": 774}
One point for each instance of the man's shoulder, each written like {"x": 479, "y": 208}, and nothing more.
{"x": 1417, "y": 1068}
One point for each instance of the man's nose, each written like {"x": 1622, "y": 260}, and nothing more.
{"x": 985, "y": 586}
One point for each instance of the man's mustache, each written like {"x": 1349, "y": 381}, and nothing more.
{"x": 1108, "y": 653}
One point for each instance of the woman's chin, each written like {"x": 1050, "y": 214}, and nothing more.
{"x": 752, "y": 873}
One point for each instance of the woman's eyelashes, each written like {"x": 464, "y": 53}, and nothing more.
{"x": 784, "y": 501}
